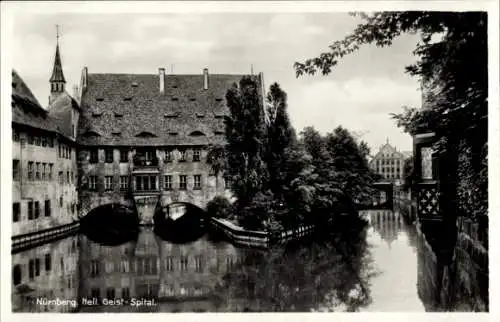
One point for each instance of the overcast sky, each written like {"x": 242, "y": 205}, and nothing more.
{"x": 359, "y": 94}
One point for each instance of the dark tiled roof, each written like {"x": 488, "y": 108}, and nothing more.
{"x": 57, "y": 72}
{"x": 26, "y": 109}
{"x": 117, "y": 108}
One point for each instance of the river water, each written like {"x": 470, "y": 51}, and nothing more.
{"x": 376, "y": 272}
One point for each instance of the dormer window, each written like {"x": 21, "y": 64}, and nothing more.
{"x": 134, "y": 84}
{"x": 175, "y": 99}
{"x": 96, "y": 114}
{"x": 218, "y": 99}
{"x": 171, "y": 115}
{"x": 200, "y": 115}
{"x": 145, "y": 134}
{"x": 116, "y": 133}
{"x": 127, "y": 99}
{"x": 99, "y": 99}
{"x": 192, "y": 99}
{"x": 173, "y": 133}
{"x": 118, "y": 115}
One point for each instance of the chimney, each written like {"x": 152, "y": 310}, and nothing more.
{"x": 161, "y": 74}
{"x": 205, "y": 78}
{"x": 83, "y": 82}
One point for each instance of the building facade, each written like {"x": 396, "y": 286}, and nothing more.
{"x": 44, "y": 169}
{"x": 389, "y": 163}
{"x": 143, "y": 139}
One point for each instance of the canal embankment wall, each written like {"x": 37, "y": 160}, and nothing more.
{"x": 460, "y": 283}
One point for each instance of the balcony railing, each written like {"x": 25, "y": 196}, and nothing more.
{"x": 140, "y": 161}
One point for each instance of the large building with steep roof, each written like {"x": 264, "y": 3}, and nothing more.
{"x": 44, "y": 167}
{"x": 144, "y": 139}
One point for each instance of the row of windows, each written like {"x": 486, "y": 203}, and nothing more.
{"x": 148, "y": 182}
{"x": 39, "y": 140}
{"x": 34, "y": 269}
{"x": 110, "y": 293}
{"x": 36, "y": 170}
{"x": 34, "y": 209}
{"x": 147, "y": 155}
{"x": 392, "y": 170}
{"x": 388, "y": 162}
{"x": 64, "y": 151}
{"x": 149, "y": 266}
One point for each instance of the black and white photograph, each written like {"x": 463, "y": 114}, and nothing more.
{"x": 248, "y": 158}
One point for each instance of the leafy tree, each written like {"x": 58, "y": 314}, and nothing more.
{"x": 217, "y": 159}
{"x": 219, "y": 207}
{"x": 245, "y": 134}
{"x": 280, "y": 137}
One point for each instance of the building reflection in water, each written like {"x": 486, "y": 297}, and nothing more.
{"x": 387, "y": 224}
{"x": 45, "y": 278}
{"x": 179, "y": 277}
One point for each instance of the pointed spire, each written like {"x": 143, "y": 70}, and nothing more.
{"x": 57, "y": 72}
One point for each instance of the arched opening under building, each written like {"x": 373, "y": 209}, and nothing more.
{"x": 180, "y": 222}
{"x": 111, "y": 224}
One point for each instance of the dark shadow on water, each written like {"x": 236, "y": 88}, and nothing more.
{"x": 185, "y": 229}
{"x": 110, "y": 225}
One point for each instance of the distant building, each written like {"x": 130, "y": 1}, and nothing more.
{"x": 389, "y": 162}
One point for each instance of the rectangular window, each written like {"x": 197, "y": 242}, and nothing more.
{"x": 93, "y": 156}
{"x": 108, "y": 153}
{"x": 197, "y": 182}
{"x": 184, "y": 263}
{"x": 37, "y": 171}
{"x": 168, "y": 155}
{"x": 44, "y": 141}
{"x": 15, "y": 169}
{"x": 47, "y": 208}
{"x": 95, "y": 293}
{"x": 31, "y": 269}
{"x": 125, "y": 292}
{"x": 145, "y": 183}
{"x": 168, "y": 182}
{"x": 94, "y": 268}
{"x": 36, "y": 140}
{"x": 30, "y": 210}
{"x": 199, "y": 263}
{"x": 37, "y": 266}
{"x": 123, "y": 155}
{"x": 68, "y": 176}
{"x": 183, "y": 155}
{"x": 50, "y": 142}
{"x": 92, "y": 182}
{"x": 108, "y": 183}
{"x": 30, "y": 139}
{"x": 16, "y": 211}
{"x": 61, "y": 201}
{"x": 169, "y": 263}
{"x": 182, "y": 182}
{"x": 44, "y": 170}
{"x": 48, "y": 262}
{"x": 31, "y": 165}
{"x": 49, "y": 175}
{"x": 37, "y": 209}
{"x": 123, "y": 183}
{"x": 61, "y": 177}
{"x": 196, "y": 155}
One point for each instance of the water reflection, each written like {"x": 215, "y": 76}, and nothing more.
{"x": 374, "y": 269}
{"x": 45, "y": 278}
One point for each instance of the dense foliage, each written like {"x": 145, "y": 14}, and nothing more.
{"x": 452, "y": 67}
{"x": 246, "y": 141}
{"x": 219, "y": 207}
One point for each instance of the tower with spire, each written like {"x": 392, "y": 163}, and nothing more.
{"x": 57, "y": 81}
